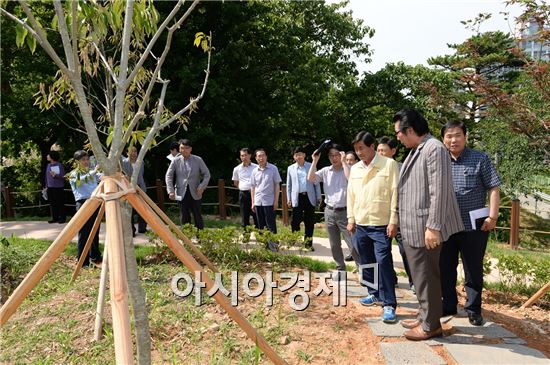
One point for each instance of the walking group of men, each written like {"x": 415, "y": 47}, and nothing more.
{"x": 424, "y": 203}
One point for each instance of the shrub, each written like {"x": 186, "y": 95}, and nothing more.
{"x": 523, "y": 274}
{"x": 230, "y": 248}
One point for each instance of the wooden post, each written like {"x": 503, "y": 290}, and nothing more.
{"x": 536, "y": 296}
{"x": 221, "y": 199}
{"x": 514, "y": 225}
{"x": 88, "y": 242}
{"x": 98, "y": 328}
{"x": 160, "y": 195}
{"x": 8, "y": 202}
{"x": 48, "y": 258}
{"x": 166, "y": 235}
{"x": 176, "y": 229}
{"x": 124, "y": 352}
{"x": 284, "y": 205}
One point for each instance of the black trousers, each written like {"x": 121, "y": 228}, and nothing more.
{"x": 304, "y": 212}
{"x": 471, "y": 246}
{"x": 56, "y": 197}
{"x": 245, "y": 204}
{"x": 266, "y": 217}
{"x": 83, "y": 235}
{"x": 189, "y": 204}
{"x": 142, "y": 225}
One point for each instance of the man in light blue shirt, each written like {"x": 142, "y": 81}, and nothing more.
{"x": 302, "y": 195}
{"x": 264, "y": 190}
{"x": 83, "y": 182}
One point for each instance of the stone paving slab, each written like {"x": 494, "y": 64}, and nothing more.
{"x": 495, "y": 354}
{"x": 455, "y": 338}
{"x": 408, "y": 304}
{"x": 382, "y": 329}
{"x": 399, "y": 353}
{"x": 356, "y": 291}
{"x": 515, "y": 341}
{"x": 489, "y": 330}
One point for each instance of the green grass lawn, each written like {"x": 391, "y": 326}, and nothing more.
{"x": 55, "y": 323}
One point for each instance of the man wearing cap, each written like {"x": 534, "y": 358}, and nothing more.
{"x": 335, "y": 185}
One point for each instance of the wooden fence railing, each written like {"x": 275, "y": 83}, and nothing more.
{"x": 223, "y": 203}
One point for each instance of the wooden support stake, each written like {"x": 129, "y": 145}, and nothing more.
{"x": 124, "y": 352}
{"x": 176, "y": 229}
{"x": 48, "y": 258}
{"x": 166, "y": 235}
{"x": 88, "y": 242}
{"x": 284, "y": 205}
{"x": 98, "y": 328}
{"x": 221, "y": 199}
{"x": 536, "y": 296}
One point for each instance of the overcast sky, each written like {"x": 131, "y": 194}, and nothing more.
{"x": 414, "y": 30}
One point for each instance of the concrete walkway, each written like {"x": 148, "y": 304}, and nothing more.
{"x": 464, "y": 343}
{"x": 42, "y": 230}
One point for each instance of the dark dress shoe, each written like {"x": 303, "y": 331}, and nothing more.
{"x": 475, "y": 319}
{"x": 410, "y": 323}
{"x": 448, "y": 313}
{"x": 418, "y": 334}
{"x": 348, "y": 258}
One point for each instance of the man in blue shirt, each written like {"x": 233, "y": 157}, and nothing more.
{"x": 264, "y": 191}
{"x": 302, "y": 195}
{"x": 83, "y": 182}
{"x": 473, "y": 177}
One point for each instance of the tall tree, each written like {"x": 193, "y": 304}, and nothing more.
{"x": 276, "y": 67}
{"x": 22, "y": 72}
{"x": 484, "y": 56}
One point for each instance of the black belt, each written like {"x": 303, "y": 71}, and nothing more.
{"x": 336, "y": 209}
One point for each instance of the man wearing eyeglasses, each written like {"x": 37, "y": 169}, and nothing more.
{"x": 428, "y": 215}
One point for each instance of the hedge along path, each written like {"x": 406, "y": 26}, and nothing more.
{"x": 117, "y": 187}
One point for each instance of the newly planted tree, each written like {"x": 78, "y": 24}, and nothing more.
{"x": 110, "y": 59}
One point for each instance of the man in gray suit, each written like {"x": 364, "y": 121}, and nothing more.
{"x": 186, "y": 180}
{"x": 303, "y": 195}
{"x": 428, "y": 215}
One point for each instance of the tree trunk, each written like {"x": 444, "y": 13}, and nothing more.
{"x": 137, "y": 294}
